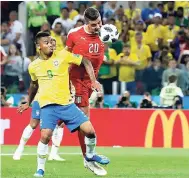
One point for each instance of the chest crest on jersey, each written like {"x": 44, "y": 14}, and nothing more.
{"x": 55, "y": 63}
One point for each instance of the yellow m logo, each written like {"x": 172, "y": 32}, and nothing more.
{"x": 168, "y": 125}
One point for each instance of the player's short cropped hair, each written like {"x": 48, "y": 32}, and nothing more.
{"x": 40, "y": 35}
{"x": 64, "y": 8}
{"x": 172, "y": 78}
{"x": 91, "y": 14}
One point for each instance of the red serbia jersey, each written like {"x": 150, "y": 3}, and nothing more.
{"x": 87, "y": 45}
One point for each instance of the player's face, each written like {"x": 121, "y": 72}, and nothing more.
{"x": 94, "y": 26}
{"x": 58, "y": 28}
{"x": 45, "y": 45}
{"x": 126, "y": 50}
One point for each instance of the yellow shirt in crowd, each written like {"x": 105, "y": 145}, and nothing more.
{"x": 171, "y": 33}
{"x": 73, "y": 13}
{"x": 132, "y": 39}
{"x": 154, "y": 33}
{"x": 53, "y": 77}
{"x": 131, "y": 14}
{"x": 143, "y": 54}
{"x": 59, "y": 42}
{"x": 127, "y": 72}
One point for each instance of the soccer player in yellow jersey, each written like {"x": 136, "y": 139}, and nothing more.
{"x": 34, "y": 122}
{"x": 50, "y": 78}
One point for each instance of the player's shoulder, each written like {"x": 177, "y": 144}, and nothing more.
{"x": 34, "y": 63}
{"x": 75, "y": 30}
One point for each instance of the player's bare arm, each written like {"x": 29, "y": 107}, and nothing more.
{"x": 32, "y": 92}
{"x": 90, "y": 71}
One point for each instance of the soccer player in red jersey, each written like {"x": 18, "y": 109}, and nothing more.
{"x": 85, "y": 41}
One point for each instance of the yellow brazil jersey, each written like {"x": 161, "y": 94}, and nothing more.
{"x": 73, "y": 13}
{"x": 127, "y": 72}
{"x": 132, "y": 39}
{"x": 143, "y": 54}
{"x": 171, "y": 33}
{"x": 59, "y": 43}
{"x": 131, "y": 14}
{"x": 154, "y": 33}
{"x": 53, "y": 77}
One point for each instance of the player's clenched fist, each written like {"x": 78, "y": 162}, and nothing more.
{"x": 96, "y": 86}
{"x": 23, "y": 106}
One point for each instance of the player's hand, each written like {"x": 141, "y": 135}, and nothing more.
{"x": 23, "y": 106}
{"x": 96, "y": 86}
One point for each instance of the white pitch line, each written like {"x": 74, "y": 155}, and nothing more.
{"x": 34, "y": 154}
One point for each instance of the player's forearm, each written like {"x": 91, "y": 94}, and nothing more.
{"x": 89, "y": 69}
{"x": 32, "y": 91}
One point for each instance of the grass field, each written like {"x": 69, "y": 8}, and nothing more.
{"x": 125, "y": 163}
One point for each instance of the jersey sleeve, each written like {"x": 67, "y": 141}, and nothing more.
{"x": 69, "y": 41}
{"x": 32, "y": 72}
{"x": 73, "y": 58}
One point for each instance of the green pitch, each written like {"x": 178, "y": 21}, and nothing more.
{"x": 125, "y": 163}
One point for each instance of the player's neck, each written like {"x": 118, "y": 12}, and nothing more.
{"x": 86, "y": 28}
{"x": 44, "y": 56}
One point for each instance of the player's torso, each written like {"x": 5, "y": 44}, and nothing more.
{"x": 53, "y": 79}
{"x": 90, "y": 47}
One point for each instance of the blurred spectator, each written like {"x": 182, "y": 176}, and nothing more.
{"x": 147, "y": 101}
{"x": 72, "y": 12}
{"x": 5, "y": 36}
{"x": 125, "y": 101}
{"x": 82, "y": 8}
{"x": 161, "y": 8}
{"x": 16, "y": 29}
{"x": 180, "y": 19}
{"x": 148, "y": 13}
{"x": 58, "y": 34}
{"x": 169, "y": 92}
{"x": 170, "y": 8}
{"x": 172, "y": 70}
{"x": 164, "y": 55}
{"x": 13, "y": 70}
{"x": 185, "y": 5}
{"x": 6, "y": 101}
{"x": 99, "y": 6}
{"x": 67, "y": 23}
{"x": 142, "y": 50}
{"x": 139, "y": 27}
{"x": 152, "y": 77}
{"x": 171, "y": 29}
{"x": 127, "y": 63}
{"x": 37, "y": 15}
{"x": 132, "y": 12}
{"x": 108, "y": 72}
{"x": 109, "y": 10}
{"x": 3, "y": 63}
{"x": 79, "y": 23}
{"x": 99, "y": 102}
{"x": 53, "y": 10}
{"x": 46, "y": 27}
{"x": 156, "y": 34}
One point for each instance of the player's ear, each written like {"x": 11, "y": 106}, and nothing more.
{"x": 38, "y": 46}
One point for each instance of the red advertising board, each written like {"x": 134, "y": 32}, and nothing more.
{"x": 132, "y": 128}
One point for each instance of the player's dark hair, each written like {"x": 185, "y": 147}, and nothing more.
{"x": 59, "y": 23}
{"x": 41, "y": 35}
{"x": 91, "y": 14}
{"x": 138, "y": 34}
{"x": 180, "y": 8}
{"x": 172, "y": 78}
{"x": 127, "y": 45}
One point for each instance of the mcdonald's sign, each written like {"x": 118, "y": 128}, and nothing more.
{"x": 168, "y": 126}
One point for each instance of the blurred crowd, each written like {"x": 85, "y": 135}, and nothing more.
{"x": 153, "y": 45}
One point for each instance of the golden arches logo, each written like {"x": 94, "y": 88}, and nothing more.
{"x": 168, "y": 126}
